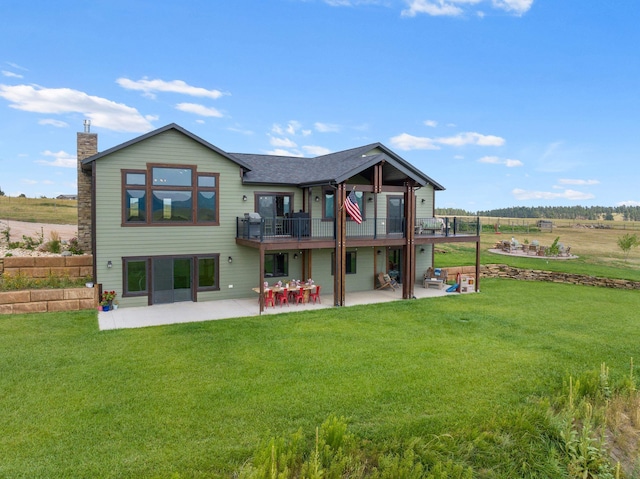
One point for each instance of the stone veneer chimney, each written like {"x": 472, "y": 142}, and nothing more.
{"x": 87, "y": 146}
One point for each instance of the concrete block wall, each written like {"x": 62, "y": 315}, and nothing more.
{"x": 48, "y": 300}
{"x": 75, "y": 267}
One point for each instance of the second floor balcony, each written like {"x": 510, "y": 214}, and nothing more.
{"x": 301, "y": 227}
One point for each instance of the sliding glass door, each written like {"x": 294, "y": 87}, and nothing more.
{"x": 172, "y": 280}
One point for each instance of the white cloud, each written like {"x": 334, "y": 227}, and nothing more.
{"x": 431, "y": 123}
{"x": 572, "y": 195}
{"x": 459, "y": 7}
{"x": 292, "y": 128}
{"x": 197, "y": 109}
{"x": 316, "y": 150}
{"x": 512, "y": 163}
{"x": 102, "y": 112}
{"x": 405, "y": 141}
{"x": 471, "y": 138}
{"x": 15, "y": 66}
{"x": 61, "y": 159}
{"x": 174, "y": 86}
{"x": 237, "y": 129}
{"x": 494, "y": 160}
{"x": 282, "y": 142}
{"x": 281, "y": 152}
{"x": 629, "y": 203}
{"x": 11, "y": 74}
{"x": 52, "y": 122}
{"x": 517, "y": 6}
{"x": 433, "y": 8}
{"x": 566, "y": 181}
{"x": 326, "y": 127}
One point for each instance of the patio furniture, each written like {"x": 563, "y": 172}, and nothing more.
{"x": 282, "y": 297}
{"x": 299, "y": 296}
{"x": 315, "y": 295}
{"x": 433, "y": 283}
{"x": 385, "y": 281}
{"x": 431, "y": 274}
{"x": 269, "y": 299}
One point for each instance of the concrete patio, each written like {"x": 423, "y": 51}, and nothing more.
{"x": 187, "y": 312}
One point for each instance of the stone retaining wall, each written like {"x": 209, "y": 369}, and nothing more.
{"x": 506, "y": 271}
{"x": 48, "y": 300}
{"x": 75, "y": 267}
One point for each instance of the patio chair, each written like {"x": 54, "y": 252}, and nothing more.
{"x": 385, "y": 282}
{"x": 269, "y": 299}
{"x": 315, "y": 295}
{"x": 282, "y": 297}
{"x": 299, "y": 296}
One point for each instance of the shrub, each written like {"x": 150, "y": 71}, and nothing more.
{"x": 74, "y": 246}
{"x": 54, "y": 245}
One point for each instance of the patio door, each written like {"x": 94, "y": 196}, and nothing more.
{"x": 274, "y": 208}
{"x": 172, "y": 280}
{"x": 395, "y": 214}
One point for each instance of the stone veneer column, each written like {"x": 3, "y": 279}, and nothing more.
{"x": 87, "y": 146}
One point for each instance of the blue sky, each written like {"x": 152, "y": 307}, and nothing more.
{"x": 503, "y": 102}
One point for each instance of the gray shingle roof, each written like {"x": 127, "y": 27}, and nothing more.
{"x": 332, "y": 168}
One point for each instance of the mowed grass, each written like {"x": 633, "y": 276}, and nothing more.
{"x": 194, "y": 400}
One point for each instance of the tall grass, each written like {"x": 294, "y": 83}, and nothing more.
{"x": 39, "y": 210}
{"x": 459, "y": 377}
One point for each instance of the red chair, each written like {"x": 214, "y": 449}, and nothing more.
{"x": 268, "y": 299}
{"x": 299, "y": 297}
{"x": 315, "y": 295}
{"x": 282, "y": 297}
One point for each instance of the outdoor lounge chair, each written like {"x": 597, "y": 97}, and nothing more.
{"x": 385, "y": 281}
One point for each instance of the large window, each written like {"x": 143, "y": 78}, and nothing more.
{"x": 350, "y": 265}
{"x": 276, "y": 265}
{"x": 171, "y": 195}
{"x": 329, "y": 204}
{"x": 135, "y": 277}
{"x": 208, "y": 273}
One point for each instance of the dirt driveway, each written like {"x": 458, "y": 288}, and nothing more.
{"x": 19, "y": 228}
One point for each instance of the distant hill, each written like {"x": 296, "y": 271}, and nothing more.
{"x": 607, "y": 213}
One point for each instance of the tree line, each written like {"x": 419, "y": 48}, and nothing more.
{"x": 607, "y": 213}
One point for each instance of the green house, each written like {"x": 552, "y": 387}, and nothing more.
{"x": 170, "y": 217}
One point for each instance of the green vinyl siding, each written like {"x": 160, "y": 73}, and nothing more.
{"x": 113, "y": 241}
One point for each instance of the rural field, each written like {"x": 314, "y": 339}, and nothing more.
{"x": 523, "y": 380}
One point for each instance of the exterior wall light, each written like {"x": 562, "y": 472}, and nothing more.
{"x": 244, "y": 197}
{"x": 230, "y": 260}
{"x": 317, "y": 199}
{"x": 109, "y": 264}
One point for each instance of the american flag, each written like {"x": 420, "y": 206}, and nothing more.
{"x": 351, "y": 204}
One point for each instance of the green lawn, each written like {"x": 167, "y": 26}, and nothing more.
{"x": 194, "y": 400}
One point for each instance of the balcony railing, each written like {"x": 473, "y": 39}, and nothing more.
{"x": 260, "y": 229}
